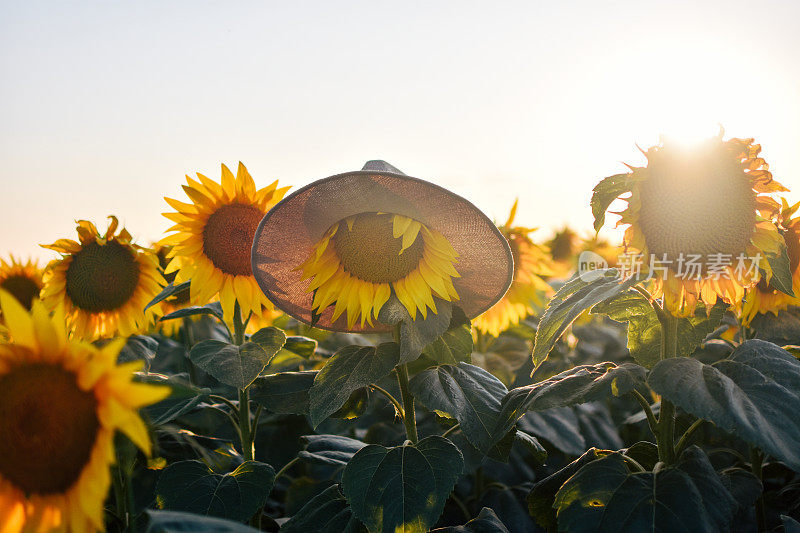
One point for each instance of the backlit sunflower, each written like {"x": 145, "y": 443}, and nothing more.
{"x": 103, "y": 281}
{"x": 214, "y": 236}
{"x": 62, "y": 402}
{"x": 531, "y": 264}
{"x": 707, "y": 205}
{"x": 363, "y": 259}
{"x": 23, "y": 280}
{"x": 564, "y": 252}
{"x": 763, "y": 298}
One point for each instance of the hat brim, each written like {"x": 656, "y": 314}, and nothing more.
{"x": 286, "y": 236}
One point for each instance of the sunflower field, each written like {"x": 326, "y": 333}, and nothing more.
{"x": 371, "y": 353}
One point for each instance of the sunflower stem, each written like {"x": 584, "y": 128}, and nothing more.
{"x": 409, "y": 418}
{"x": 245, "y": 430}
{"x": 756, "y": 463}
{"x": 665, "y": 435}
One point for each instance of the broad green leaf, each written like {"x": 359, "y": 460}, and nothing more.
{"x": 467, "y": 393}
{"x": 455, "y": 344}
{"x": 351, "y": 368}
{"x": 643, "y": 452}
{"x": 270, "y": 339}
{"x": 573, "y": 298}
{"x": 781, "y": 271}
{"x": 168, "y": 291}
{"x": 606, "y": 192}
{"x": 402, "y": 489}
{"x": 581, "y": 384}
{"x": 543, "y": 493}
{"x": 604, "y": 495}
{"x": 644, "y": 329}
{"x": 139, "y": 347}
{"x": 177, "y": 522}
{"x": 328, "y": 512}
{"x": 233, "y": 365}
{"x": 284, "y": 393}
{"x": 755, "y": 394}
{"x": 192, "y": 487}
{"x": 485, "y": 522}
{"x": 302, "y": 346}
{"x": 790, "y": 525}
{"x": 782, "y": 329}
{"x": 533, "y": 446}
{"x": 559, "y": 426}
{"x": 743, "y": 486}
{"x": 415, "y": 335}
{"x": 184, "y": 398}
{"x": 330, "y": 449}
{"x": 214, "y": 308}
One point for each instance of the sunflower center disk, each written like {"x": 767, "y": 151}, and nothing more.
{"x": 697, "y": 203}
{"x": 370, "y": 252}
{"x": 102, "y": 277}
{"x": 48, "y": 427}
{"x": 228, "y": 238}
{"x": 23, "y": 288}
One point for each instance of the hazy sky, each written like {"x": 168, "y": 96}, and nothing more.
{"x": 104, "y": 106}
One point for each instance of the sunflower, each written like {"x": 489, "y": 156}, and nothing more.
{"x": 214, "y": 236}
{"x": 763, "y": 298}
{"x": 104, "y": 282}
{"x": 564, "y": 252}
{"x": 609, "y": 252}
{"x": 707, "y": 206}
{"x": 21, "y": 280}
{"x": 531, "y": 264}
{"x": 361, "y": 260}
{"x": 62, "y": 402}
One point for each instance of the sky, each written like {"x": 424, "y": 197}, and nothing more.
{"x": 105, "y": 106}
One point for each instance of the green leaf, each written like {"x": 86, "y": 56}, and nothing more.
{"x": 232, "y": 365}
{"x": 192, "y": 487}
{"x": 644, "y": 329}
{"x": 402, "y": 489}
{"x": 177, "y": 522}
{"x": 349, "y": 369}
{"x": 533, "y": 445}
{"x": 455, "y": 344}
{"x": 605, "y": 496}
{"x": 184, "y": 398}
{"x": 606, "y": 192}
{"x": 573, "y": 298}
{"x": 302, "y": 346}
{"x": 284, "y": 393}
{"x": 168, "y": 291}
{"x": 485, "y": 522}
{"x": 214, "y": 308}
{"x": 581, "y": 384}
{"x": 415, "y": 335}
{"x": 138, "y": 347}
{"x": 327, "y": 512}
{"x": 543, "y": 493}
{"x": 332, "y": 450}
{"x": 643, "y": 452}
{"x": 467, "y": 393}
{"x": 270, "y": 339}
{"x": 781, "y": 271}
{"x": 755, "y": 394}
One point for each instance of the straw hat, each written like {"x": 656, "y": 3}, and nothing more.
{"x": 287, "y": 234}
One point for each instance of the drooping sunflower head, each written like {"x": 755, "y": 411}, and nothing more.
{"x": 764, "y": 297}
{"x": 532, "y": 264}
{"x": 23, "y": 280}
{"x": 63, "y": 400}
{"x": 103, "y": 281}
{"x": 701, "y": 217}
{"x": 334, "y": 252}
{"x": 213, "y": 237}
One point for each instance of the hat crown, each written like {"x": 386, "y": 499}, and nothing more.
{"x": 379, "y": 165}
